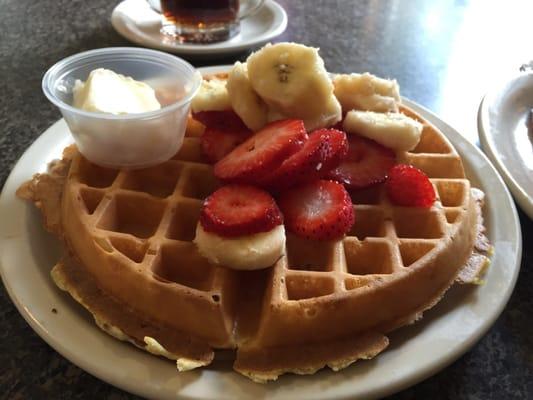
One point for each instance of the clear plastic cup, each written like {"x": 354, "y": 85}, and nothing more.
{"x": 126, "y": 140}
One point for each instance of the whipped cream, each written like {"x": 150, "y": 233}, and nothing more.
{"x": 108, "y": 92}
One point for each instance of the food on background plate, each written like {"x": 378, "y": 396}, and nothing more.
{"x": 337, "y": 252}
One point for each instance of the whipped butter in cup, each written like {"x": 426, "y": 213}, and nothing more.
{"x": 125, "y": 135}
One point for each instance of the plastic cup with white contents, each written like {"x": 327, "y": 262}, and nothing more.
{"x": 126, "y": 140}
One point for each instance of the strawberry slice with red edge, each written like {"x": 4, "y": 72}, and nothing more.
{"x": 367, "y": 163}
{"x": 408, "y": 186}
{"x": 262, "y": 153}
{"x": 320, "y": 153}
{"x": 238, "y": 210}
{"x": 225, "y": 120}
{"x": 338, "y": 149}
{"x": 319, "y": 210}
{"x": 216, "y": 143}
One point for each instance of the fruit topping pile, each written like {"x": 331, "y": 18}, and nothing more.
{"x": 281, "y": 133}
{"x": 289, "y": 163}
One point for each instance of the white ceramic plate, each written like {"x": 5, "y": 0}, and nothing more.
{"x": 504, "y": 135}
{"x": 416, "y": 352}
{"x": 138, "y": 22}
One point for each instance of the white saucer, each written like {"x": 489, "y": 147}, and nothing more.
{"x": 504, "y": 136}
{"x": 418, "y": 351}
{"x": 138, "y": 22}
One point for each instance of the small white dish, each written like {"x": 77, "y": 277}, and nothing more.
{"x": 139, "y": 23}
{"x": 504, "y": 135}
{"x": 447, "y": 331}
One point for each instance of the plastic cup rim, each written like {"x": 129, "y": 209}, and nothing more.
{"x": 128, "y": 51}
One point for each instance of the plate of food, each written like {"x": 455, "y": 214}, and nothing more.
{"x": 505, "y": 127}
{"x": 274, "y": 254}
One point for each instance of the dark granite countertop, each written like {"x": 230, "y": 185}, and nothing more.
{"x": 445, "y": 54}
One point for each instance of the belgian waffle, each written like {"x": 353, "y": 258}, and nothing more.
{"x": 130, "y": 260}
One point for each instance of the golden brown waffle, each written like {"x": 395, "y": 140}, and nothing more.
{"x": 131, "y": 262}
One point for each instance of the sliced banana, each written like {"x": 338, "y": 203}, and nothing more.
{"x": 244, "y": 100}
{"x": 212, "y": 96}
{"x": 331, "y": 114}
{"x": 274, "y": 115}
{"x": 367, "y": 92}
{"x": 292, "y": 80}
{"x": 256, "y": 251}
{"x": 393, "y": 130}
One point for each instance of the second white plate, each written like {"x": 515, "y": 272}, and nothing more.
{"x": 138, "y": 22}
{"x": 504, "y": 135}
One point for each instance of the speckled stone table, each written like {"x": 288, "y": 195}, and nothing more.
{"x": 445, "y": 54}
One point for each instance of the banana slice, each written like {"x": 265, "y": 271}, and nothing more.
{"x": 275, "y": 115}
{"x": 292, "y": 80}
{"x": 393, "y": 130}
{"x": 367, "y": 92}
{"x": 331, "y": 114}
{"x": 244, "y": 100}
{"x": 257, "y": 251}
{"x": 212, "y": 96}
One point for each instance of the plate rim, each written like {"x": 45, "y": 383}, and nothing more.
{"x": 388, "y": 389}
{"x": 199, "y": 50}
{"x": 483, "y": 124}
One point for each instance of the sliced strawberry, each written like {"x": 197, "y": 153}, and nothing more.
{"x": 262, "y": 153}
{"x": 216, "y": 143}
{"x": 303, "y": 166}
{"x": 237, "y": 210}
{"x": 338, "y": 149}
{"x": 320, "y": 210}
{"x": 221, "y": 120}
{"x": 366, "y": 164}
{"x": 410, "y": 187}
{"x": 319, "y": 154}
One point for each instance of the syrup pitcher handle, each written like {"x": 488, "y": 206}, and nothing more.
{"x": 248, "y": 8}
